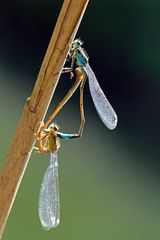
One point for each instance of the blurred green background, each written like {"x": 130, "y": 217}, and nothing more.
{"x": 109, "y": 180}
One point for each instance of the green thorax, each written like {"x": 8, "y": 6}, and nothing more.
{"x": 81, "y": 61}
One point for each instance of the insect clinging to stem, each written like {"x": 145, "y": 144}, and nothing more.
{"x": 102, "y": 105}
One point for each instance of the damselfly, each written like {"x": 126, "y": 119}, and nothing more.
{"x": 49, "y": 204}
{"x": 102, "y": 105}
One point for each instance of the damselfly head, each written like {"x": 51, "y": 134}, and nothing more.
{"x": 53, "y": 127}
{"x": 77, "y": 43}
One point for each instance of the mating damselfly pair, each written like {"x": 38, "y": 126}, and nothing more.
{"x": 49, "y": 135}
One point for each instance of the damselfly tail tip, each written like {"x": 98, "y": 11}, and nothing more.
{"x": 53, "y": 224}
{"x": 113, "y": 123}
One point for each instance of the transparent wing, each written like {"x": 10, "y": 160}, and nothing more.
{"x": 49, "y": 206}
{"x": 102, "y": 105}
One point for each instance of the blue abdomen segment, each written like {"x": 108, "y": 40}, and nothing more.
{"x": 65, "y": 136}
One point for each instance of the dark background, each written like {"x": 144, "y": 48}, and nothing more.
{"x": 109, "y": 180}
